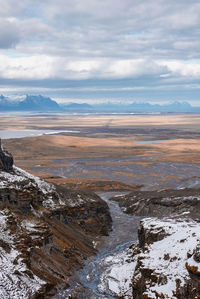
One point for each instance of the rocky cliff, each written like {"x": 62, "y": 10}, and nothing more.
{"x": 47, "y": 232}
{"x": 167, "y": 263}
{"x": 161, "y": 203}
{"x": 6, "y": 159}
{"x": 166, "y": 260}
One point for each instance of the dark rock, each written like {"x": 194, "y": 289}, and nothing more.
{"x": 88, "y": 210}
{"x": 149, "y": 236}
{"x": 6, "y": 159}
{"x": 54, "y": 239}
{"x": 161, "y": 203}
{"x": 197, "y": 254}
{"x": 166, "y": 256}
{"x": 162, "y": 279}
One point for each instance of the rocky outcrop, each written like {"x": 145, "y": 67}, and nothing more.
{"x": 86, "y": 209}
{"x": 6, "y": 159}
{"x": 47, "y": 232}
{"x": 167, "y": 263}
{"x": 161, "y": 203}
{"x": 167, "y": 256}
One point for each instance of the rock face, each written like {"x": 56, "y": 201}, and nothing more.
{"x": 161, "y": 203}
{"x": 87, "y": 210}
{"x": 46, "y": 233}
{"x": 6, "y": 159}
{"x": 167, "y": 259}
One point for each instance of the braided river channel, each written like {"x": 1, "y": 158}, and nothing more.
{"x": 90, "y": 282}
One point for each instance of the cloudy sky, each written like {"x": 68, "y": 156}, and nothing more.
{"x": 101, "y": 50}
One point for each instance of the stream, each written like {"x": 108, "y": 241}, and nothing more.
{"x": 95, "y": 279}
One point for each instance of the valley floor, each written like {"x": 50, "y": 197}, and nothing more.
{"x": 142, "y": 155}
{"x": 157, "y": 151}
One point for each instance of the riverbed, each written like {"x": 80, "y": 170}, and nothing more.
{"x": 150, "y": 171}
{"x": 108, "y": 273}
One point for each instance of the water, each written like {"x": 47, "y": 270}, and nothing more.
{"x": 124, "y": 233}
{"x": 8, "y": 134}
{"x": 152, "y": 141}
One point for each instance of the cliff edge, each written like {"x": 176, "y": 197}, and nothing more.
{"x": 6, "y": 159}
{"x": 46, "y": 232}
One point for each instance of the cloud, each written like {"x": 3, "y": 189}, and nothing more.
{"x": 93, "y": 28}
{"x": 9, "y": 34}
{"x": 25, "y": 67}
{"x": 100, "y": 40}
{"x": 187, "y": 69}
{"x": 46, "y": 67}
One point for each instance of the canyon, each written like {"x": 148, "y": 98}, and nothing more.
{"x": 47, "y": 232}
{"x": 114, "y": 212}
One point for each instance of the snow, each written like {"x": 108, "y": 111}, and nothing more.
{"x": 182, "y": 237}
{"x": 95, "y": 244}
{"x": 14, "y": 280}
{"x": 181, "y": 198}
{"x": 20, "y": 176}
{"x": 116, "y": 279}
{"x": 30, "y": 226}
{"x": 166, "y": 258}
{"x": 192, "y": 263}
{"x": 76, "y": 200}
{"x": 36, "y": 181}
{"x": 20, "y": 179}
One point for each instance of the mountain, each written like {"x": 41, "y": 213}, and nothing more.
{"x": 30, "y": 103}
{"x": 7, "y": 104}
{"x": 175, "y": 107}
{"x": 75, "y": 107}
{"x": 45, "y": 104}
{"x": 38, "y": 103}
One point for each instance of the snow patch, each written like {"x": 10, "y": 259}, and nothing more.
{"x": 116, "y": 279}
{"x": 15, "y": 281}
{"x": 19, "y": 179}
{"x": 168, "y": 256}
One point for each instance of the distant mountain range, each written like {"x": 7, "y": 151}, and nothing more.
{"x": 30, "y": 103}
{"x": 175, "y": 107}
{"x": 44, "y": 104}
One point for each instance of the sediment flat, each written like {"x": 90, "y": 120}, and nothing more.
{"x": 126, "y": 148}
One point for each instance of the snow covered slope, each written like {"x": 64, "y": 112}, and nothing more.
{"x": 45, "y": 233}
{"x": 16, "y": 280}
{"x": 168, "y": 265}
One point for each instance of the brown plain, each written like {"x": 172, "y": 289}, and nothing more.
{"x": 180, "y": 135}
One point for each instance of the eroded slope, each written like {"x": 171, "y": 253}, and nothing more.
{"x": 47, "y": 231}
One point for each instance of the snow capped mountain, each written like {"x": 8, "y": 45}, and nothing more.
{"x": 45, "y": 104}
{"x": 29, "y": 103}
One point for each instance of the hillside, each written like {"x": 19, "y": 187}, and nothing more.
{"x": 47, "y": 232}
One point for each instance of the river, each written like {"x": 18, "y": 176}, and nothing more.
{"x": 104, "y": 275}
{"x": 8, "y": 134}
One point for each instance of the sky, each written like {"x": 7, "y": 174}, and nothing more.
{"x": 101, "y": 50}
